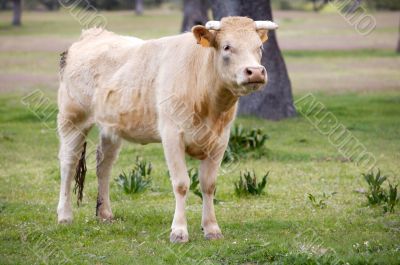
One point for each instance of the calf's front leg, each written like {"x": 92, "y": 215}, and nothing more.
{"x": 208, "y": 175}
{"x": 174, "y": 151}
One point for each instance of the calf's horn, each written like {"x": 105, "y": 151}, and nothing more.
{"x": 214, "y": 25}
{"x": 266, "y": 25}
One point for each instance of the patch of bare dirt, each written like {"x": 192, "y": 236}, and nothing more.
{"x": 321, "y": 31}
{"x": 33, "y": 44}
{"x": 344, "y": 74}
{"x": 26, "y": 82}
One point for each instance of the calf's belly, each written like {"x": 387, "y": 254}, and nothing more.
{"x": 128, "y": 113}
{"x": 141, "y": 131}
{"x": 138, "y": 124}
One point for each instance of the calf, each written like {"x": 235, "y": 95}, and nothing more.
{"x": 181, "y": 91}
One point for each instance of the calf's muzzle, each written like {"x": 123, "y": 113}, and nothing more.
{"x": 255, "y": 74}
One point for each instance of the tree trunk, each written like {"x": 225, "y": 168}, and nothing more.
{"x": 398, "y": 42}
{"x": 354, "y": 6}
{"x": 3, "y": 4}
{"x": 17, "y": 11}
{"x": 139, "y": 7}
{"x": 275, "y": 101}
{"x": 194, "y": 13}
{"x": 318, "y": 7}
{"x": 315, "y": 8}
{"x": 50, "y": 4}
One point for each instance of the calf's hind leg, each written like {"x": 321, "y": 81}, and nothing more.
{"x": 72, "y": 139}
{"x": 107, "y": 153}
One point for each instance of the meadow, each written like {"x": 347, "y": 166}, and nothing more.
{"x": 358, "y": 83}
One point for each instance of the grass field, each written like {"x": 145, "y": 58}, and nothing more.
{"x": 361, "y": 87}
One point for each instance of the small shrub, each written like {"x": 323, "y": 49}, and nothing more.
{"x": 319, "y": 203}
{"x": 378, "y": 195}
{"x": 392, "y": 199}
{"x": 247, "y": 184}
{"x": 138, "y": 179}
{"x": 316, "y": 203}
{"x": 242, "y": 141}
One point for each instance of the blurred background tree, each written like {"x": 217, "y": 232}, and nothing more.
{"x": 195, "y": 12}
{"x": 318, "y": 5}
{"x": 139, "y": 7}
{"x": 17, "y": 11}
{"x": 398, "y": 42}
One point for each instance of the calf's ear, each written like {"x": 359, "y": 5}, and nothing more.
{"x": 203, "y": 36}
{"x": 263, "y": 33}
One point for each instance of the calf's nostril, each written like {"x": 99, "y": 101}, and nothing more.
{"x": 249, "y": 72}
{"x": 263, "y": 71}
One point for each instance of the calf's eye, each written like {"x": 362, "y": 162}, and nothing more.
{"x": 227, "y": 48}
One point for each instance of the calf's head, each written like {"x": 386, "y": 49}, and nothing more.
{"x": 238, "y": 44}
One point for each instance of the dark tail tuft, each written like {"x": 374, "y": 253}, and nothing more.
{"x": 98, "y": 204}
{"x": 63, "y": 62}
{"x": 80, "y": 175}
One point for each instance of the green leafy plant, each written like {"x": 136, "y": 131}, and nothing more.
{"x": 242, "y": 141}
{"x": 316, "y": 203}
{"x": 138, "y": 179}
{"x": 377, "y": 194}
{"x": 392, "y": 199}
{"x": 320, "y": 203}
{"x": 248, "y": 184}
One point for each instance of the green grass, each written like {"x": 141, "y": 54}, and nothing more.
{"x": 279, "y": 226}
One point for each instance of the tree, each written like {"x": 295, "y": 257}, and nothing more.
{"x": 17, "y": 11}
{"x": 398, "y": 41}
{"x": 139, "y": 7}
{"x": 51, "y": 4}
{"x": 194, "y": 13}
{"x": 275, "y": 101}
{"x": 354, "y": 6}
{"x": 349, "y": 7}
{"x": 3, "y": 4}
{"x": 319, "y": 6}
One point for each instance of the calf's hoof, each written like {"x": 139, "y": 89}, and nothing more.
{"x": 65, "y": 221}
{"x": 214, "y": 236}
{"x": 212, "y": 232}
{"x": 65, "y": 218}
{"x": 105, "y": 216}
{"x": 179, "y": 236}
{"x": 64, "y": 214}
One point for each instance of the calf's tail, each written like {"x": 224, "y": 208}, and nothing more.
{"x": 63, "y": 63}
{"x": 80, "y": 175}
